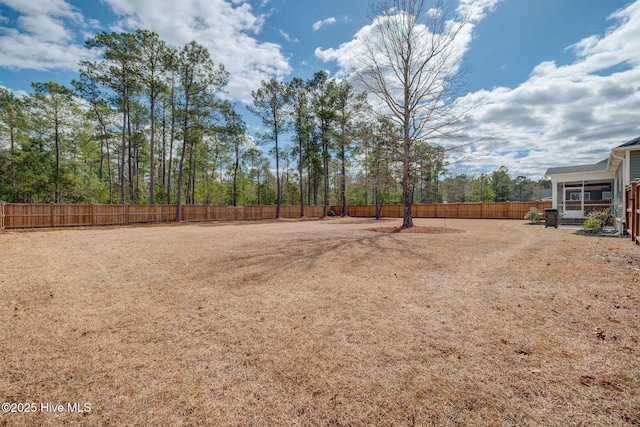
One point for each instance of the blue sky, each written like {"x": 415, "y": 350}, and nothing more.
{"x": 556, "y": 82}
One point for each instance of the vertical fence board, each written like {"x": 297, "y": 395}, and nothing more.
{"x": 635, "y": 212}
{"x": 628, "y": 216}
{"x": 630, "y": 210}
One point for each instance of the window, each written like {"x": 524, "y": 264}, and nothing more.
{"x": 574, "y": 197}
{"x": 607, "y": 195}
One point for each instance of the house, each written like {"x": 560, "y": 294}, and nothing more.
{"x": 578, "y": 190}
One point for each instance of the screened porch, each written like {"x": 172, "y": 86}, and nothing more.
{"x": 577, "y": 199}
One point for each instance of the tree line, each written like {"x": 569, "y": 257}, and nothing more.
{"x": 138, "y": 123}
{"x": 145, "y": 123}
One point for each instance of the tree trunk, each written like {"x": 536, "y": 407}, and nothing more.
{"x": 189, "y": 198}
{"x": 13, "y": 157}
{"x": 235, "y": 176}
{"x": 123, "y": 147}
{"x": 259, "y": 200}
{"x": 191, "y": 185}
{"x": 309, "y": 200}
{"x": 171, "y": 139}
{"x": 152, "y": 188}
{"x": 182, "y": 155}
{"x": 179, "y": 190}
{"x": 407, "y": 219}
{"x": 316, "y": 188}
{"x": 300, "y": 178}
{"x": 379, "y": 204}
{"x": 162, "y": 177}
{"x": 105, "y": 136}
{"x": 130, "y": 164}
{"x": 57, "y": 179}
{"x": 100, "y": 171}
{"x": 343, "y": 180}
{"x": 136, "y": 172}
{"x": 279, "y": 191}
{"x": 325, "y": 166}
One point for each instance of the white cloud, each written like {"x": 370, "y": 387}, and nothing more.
{"x": 49, "y": 35}
{"x": 476, "y": 9}
{"x": 287, "y": 37}
{"x": 345, "y": 55}
{"x": 319, "y": 24}
{"x": 227, "y": 30}
{"x": 561, "y": 115}
{"x": 44, "y": 36}
{"x": 453, "y": 37}
{"x": 566, "y": 115}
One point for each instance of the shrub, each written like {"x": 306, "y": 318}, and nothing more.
{"x": 603, "y": 215}
{"x": 592, "y": 224}
{"x": 532, "y": 215}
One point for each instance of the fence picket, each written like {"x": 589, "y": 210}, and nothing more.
{"x": 634, "y": 212}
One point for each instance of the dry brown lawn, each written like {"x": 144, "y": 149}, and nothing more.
{"x": 320, "y": 323}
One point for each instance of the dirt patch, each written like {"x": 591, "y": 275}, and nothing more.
{"x": 418, "y": 229}
{"x": 320, "y": 323}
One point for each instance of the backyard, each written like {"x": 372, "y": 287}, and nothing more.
{"x": 319, "y": 323}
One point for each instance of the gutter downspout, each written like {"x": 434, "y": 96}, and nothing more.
{"x": 621, "y": 224}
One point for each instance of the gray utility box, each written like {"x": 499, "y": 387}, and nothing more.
{"x": 551, "y": 218}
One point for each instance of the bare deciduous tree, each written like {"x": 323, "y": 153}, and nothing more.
{"x": 411, "y": 62}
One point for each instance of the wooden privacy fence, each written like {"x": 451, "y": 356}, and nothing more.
{"x": 18, "y": 215}
{"x": 483, "y": 210}
{"x": 632, "y": 211}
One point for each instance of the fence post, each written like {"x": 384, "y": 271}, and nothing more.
{"x": 631, "y": 211}
{"x": 2, "y": 215}
{"x": 636, "y": 210}
{"x": 635, "y": 215}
